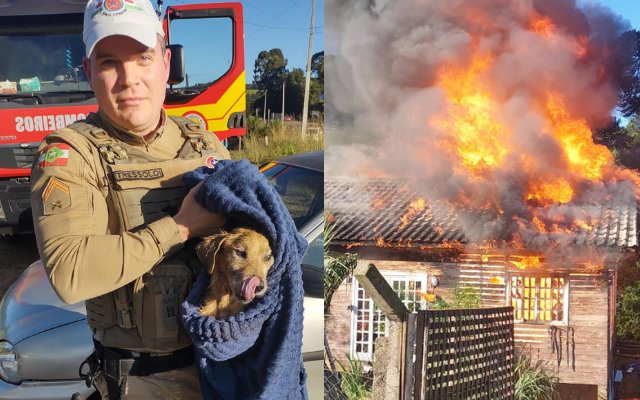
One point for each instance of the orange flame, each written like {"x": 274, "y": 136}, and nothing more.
{"x": 542, "y": 25}
{"x": 427, "y": 296}
{"x": 414, "y": 208}
{"x": 546, "y": 192}
{"x": 470, "y": 129}
{"x": 524, "y": 262}
{"x": 378, "y": 204}
{"x": 585, "y": 158}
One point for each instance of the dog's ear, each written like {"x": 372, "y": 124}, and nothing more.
{"x": 208, "y": 248}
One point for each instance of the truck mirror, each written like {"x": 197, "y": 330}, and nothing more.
{"x": 176, "y": 64}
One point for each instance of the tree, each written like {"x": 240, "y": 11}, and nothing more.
{"x": 315, "y": 90}
{"x": 268, "y": 74}
{"x": 294, "y": 92}
{"x": 624, "y": 142}
{"x": 317, "y": 67}
{"x": 629, "y": 58}
{"x": 614, "y": 136}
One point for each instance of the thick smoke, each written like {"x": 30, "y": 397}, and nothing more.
{"x": 383, "y": 92}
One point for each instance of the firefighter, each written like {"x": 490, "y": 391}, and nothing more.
{"x": 112, "y": 221}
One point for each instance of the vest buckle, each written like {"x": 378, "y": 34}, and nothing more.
{"x": 197, "y": 145}
{"x": 118, "y": 152}
{"x": 99, "y": 133}
{"x": 112, "y": 152}
{"x": 107, "y": 155}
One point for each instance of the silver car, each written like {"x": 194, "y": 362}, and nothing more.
{"x": 43, "y": 341}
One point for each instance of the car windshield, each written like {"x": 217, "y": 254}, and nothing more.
{"x": 301, "y": 190}
{"x": 45, "y": 59}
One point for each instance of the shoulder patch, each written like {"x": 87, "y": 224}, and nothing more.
{"x": 55, "y": 154}
{"x": 212, "y": 161}
{"x": 56, "y": 197}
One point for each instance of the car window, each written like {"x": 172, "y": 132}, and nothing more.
{"x": 301, "y": 190}
{"x": 313, "y": 268}
{"x": 315, "y": 252}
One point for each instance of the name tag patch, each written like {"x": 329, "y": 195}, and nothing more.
{"x": 144, "y": 175}
{"x": 55, "y": 154}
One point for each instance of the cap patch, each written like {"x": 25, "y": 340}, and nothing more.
{"x": 114, "y": 7}
{"x": 55, "y": 154}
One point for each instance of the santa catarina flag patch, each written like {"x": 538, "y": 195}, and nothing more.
{"x": 55, "y": 154}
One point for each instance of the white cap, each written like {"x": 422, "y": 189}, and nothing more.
{"x": 134, "y": 18}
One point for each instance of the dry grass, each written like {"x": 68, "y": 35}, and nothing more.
{"x": 268, "y": 142}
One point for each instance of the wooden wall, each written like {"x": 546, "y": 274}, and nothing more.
{"x": 590, "y": 310}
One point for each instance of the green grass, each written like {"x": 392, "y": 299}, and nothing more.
{"x": 353, "y": 383}
{"x": 283, "y": 140}
{"x": 534, "y": 381}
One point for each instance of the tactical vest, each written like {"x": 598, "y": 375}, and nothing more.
{"x": 145, "y": 189}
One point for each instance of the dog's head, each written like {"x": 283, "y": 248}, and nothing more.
{"x": 242, "y": 255}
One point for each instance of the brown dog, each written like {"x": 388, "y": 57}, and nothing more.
{"x": 238, "y": 262}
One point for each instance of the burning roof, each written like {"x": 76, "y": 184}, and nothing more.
{"x": 394, "y": 213}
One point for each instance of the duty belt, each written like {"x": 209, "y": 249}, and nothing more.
{"x": 116, "y": 365}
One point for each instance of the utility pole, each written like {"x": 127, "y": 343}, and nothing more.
{"x": 283, "y": 83}
{"x": 305, "y": 108}
{"x": 264, "y": 111}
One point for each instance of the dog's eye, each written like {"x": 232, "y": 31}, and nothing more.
{"x": 241, "y": 253}
{"x": 268, "y": 258}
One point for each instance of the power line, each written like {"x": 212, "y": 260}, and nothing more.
{"x": 302, "y": 33}
{"x": 279, "y": 27}
{"x": 258, "y": 30}
{"x": 264, "y": 12}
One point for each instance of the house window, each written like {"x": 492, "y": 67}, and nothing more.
{"x": 368, "y": 323}
{"x": 538, "y": 298}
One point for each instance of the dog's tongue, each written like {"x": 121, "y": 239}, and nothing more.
{"x": 249, "y": 288}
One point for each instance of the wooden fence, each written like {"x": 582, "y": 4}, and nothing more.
{"x": 463, "y": 355}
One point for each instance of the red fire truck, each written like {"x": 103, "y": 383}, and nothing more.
{"x": 43, "y": 86}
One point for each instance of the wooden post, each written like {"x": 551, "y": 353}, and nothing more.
{"x": 407, "y": 356}
{"x": 396, "y": 313}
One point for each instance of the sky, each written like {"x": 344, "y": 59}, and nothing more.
{"x": 268, "y": 24}
{"x": 628, "y": 9}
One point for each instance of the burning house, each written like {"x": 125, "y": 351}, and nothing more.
{"x": 470, "y": 164}
{"x": 562, "y": 289}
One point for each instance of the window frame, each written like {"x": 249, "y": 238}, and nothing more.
{"x": 353, "y": 332}
{"x": 539, "y": 276}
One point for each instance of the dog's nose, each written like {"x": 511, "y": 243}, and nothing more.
{"x": 260, "y": 287}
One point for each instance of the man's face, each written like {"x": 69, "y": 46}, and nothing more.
{"x": 129, "y": 81}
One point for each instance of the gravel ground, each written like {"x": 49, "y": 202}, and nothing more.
{"x": 16, "y": 254}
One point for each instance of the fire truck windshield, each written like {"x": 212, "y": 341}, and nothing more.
{"x": 42, "y": 62}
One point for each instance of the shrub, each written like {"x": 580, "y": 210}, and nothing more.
{"x": 533, "y": 380}
{"x": 628, "y": 312}
{"x": 353, "y": 382}
{"x": 466, "y": 297}
{"x": 255, "y": 126}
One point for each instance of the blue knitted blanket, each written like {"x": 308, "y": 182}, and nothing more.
{"x": 258, "y": 353}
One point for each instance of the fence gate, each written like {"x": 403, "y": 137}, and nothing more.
{"x": 464, "y": 355}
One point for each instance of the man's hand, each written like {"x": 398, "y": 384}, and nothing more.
{"x": 193, "y": 220}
